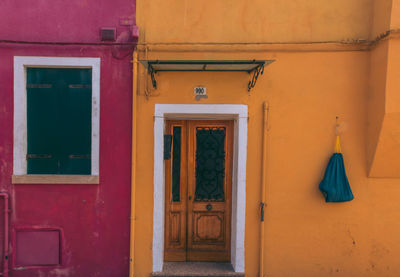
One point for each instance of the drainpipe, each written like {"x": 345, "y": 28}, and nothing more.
{"x": 6, "y": 254}
{"x": 263, "y": 184}
{"x": 133, "y": 166}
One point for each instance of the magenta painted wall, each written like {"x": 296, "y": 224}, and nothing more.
{"x": 94, "y": 219}
{"x": 73, "y": 20}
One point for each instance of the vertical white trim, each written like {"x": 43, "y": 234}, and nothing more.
{"x": 95, "y": 117}
{"x": 159, "y": 195}
{"x": 20, "y": 123}
{"x": 20, "y": 113}
{"x": 240, "y": 115}
{"x": 238, "y": 262}
{"x": 234, "y": 194}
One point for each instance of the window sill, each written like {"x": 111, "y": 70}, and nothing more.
{"x": 55, "y": 179}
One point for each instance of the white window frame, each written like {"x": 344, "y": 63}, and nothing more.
{"x": 20, "y": 113}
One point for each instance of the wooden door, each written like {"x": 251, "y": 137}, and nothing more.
{"x": 198, "y": 191}
{"x": 176, "y": 193}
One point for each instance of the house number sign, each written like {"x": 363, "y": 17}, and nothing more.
{"x": 200, "y": 91}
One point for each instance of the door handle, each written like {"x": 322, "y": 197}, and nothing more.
{"x": 190, "y": 197}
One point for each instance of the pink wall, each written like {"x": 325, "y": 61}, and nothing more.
{"x": 94, "y": 219}
{"x": 59, "y": 20}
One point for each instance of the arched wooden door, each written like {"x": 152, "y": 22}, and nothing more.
{"x": 198, "y": 191}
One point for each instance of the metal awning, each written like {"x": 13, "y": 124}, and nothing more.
{"x": 250, "y": 66}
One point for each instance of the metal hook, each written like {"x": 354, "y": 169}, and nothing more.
{"x": 337, "y": 125}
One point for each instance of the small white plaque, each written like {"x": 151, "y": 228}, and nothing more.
{"x": 200, "y": 91}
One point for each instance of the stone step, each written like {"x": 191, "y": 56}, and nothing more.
{"x": 197, "y": 269}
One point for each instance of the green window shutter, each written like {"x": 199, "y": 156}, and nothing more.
{"x": 59, "y": 121}
{"x": 42, "y": 104}
{"x": 76, "y": 118}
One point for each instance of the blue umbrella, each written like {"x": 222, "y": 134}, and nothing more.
{"x": 335, "y": 187}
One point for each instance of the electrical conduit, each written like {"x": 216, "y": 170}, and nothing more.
{"x": 263, "y": 184}
{"x": 6, "y": 254}
{"x": 133, "y": 165}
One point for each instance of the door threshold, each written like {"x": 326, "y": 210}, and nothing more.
{"x": 197, "y": 269}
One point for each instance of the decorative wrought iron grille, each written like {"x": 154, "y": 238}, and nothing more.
{"x": 210, "y": 163}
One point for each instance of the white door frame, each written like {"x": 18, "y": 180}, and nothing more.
{"x": 239, "y": 114}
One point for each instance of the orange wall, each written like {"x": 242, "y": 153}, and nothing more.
{"x": 306, "y": 88}
{"x": 395, "y": 15}
{"x": 381, "y": 17}
{"x": 384, "y": 110}
{"x": 376, "y": 98}
{"x": 253, "y": 21}
{"x": 384, "y": 101}
{"x": 303, "y": 233}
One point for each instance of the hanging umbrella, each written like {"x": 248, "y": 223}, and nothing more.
{"x": 335, "y": 187}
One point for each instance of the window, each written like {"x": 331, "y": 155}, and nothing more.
{"x": 59, "y": 120}
{"x": 56, "y": 119}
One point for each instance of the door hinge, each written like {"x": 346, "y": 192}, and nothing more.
{"x": 38, "y": 156}
{"x": 262, "y": 211}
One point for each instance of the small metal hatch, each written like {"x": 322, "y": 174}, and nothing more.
{"x": 250, "y": 66}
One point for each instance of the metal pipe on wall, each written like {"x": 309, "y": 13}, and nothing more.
{"x": 6, "y": 215}
{"x": 133, "y": 165}
{"x": 263, "y": 184}
{"x": 255, "y": 47}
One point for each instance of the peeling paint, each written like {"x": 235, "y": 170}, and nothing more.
{"x": 61, "y": 272}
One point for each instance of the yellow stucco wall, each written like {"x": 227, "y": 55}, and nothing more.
{"x": 256, "y": 20}
{"x": 306, "y": 88}
{"x": 384, "y": 123}
{"x": 376, "y": 97}
{"x": 384, "y": 101}
{"x": 381, "y": 17}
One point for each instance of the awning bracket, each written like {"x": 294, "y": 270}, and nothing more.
{"x": 153, "y": 79}
{"x": 256, "y": 72}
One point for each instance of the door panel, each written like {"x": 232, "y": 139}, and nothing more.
{"x": 201, "y": 231}
{"x": 208, "y": 227}
{"x": 175, "y": 191}
{"x": 209, "y": 181}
